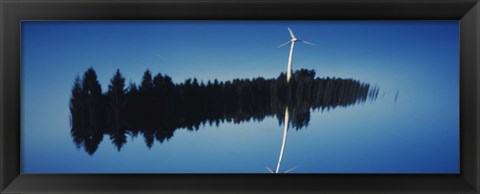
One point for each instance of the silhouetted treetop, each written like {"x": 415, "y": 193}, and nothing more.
{"x": 117, "y": 85}
{"x": 147, "y": 82}
{"x": 90, "y": 83}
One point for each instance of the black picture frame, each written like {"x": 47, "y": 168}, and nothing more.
{"x": 14, "y": 11}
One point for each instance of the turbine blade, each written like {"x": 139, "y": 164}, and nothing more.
{"x": 269, "y": 169}
{"x": 284, "y": 44}
{"x": 291, "y": 169}
{"x": 307, "y": 42}
{"x": 291, "y": 33}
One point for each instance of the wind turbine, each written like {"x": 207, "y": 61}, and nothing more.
{"x": 286, "y": 119}
{"x": 293, "y": 40}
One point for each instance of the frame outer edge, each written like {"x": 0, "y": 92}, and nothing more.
{"x": 476, "y": 11}
{"x": 469, "y": 96}
{"x": 2, "y": 136}
{"x": 9, "y": 97}
{"x": 4, "y": 183}
{"x": 477, "y": 183}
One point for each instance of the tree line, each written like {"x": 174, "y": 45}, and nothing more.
{"x": 157, "y": 106}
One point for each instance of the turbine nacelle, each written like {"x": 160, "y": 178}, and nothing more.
{"x": 294, "y": 39}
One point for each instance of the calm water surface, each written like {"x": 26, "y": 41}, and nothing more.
{"x": 379, "y": 137}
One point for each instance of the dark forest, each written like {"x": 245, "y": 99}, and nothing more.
{"x": 157, "y": 106}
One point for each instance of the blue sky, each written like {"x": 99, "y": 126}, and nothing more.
{"x": 227, "y": 50}
{"x": 418, "y": 58}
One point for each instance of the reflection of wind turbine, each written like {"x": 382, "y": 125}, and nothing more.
{"x": 285, "y": 129}
{"x": 285, "y": 124}
{"x": 293, "y": 40}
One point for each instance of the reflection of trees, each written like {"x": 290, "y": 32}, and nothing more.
{"x": 157, "y": 107}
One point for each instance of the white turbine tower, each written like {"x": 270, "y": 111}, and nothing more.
{"x": 293, "y": 40}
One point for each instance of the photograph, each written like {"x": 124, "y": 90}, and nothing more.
{"x": 240, "y": 96}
